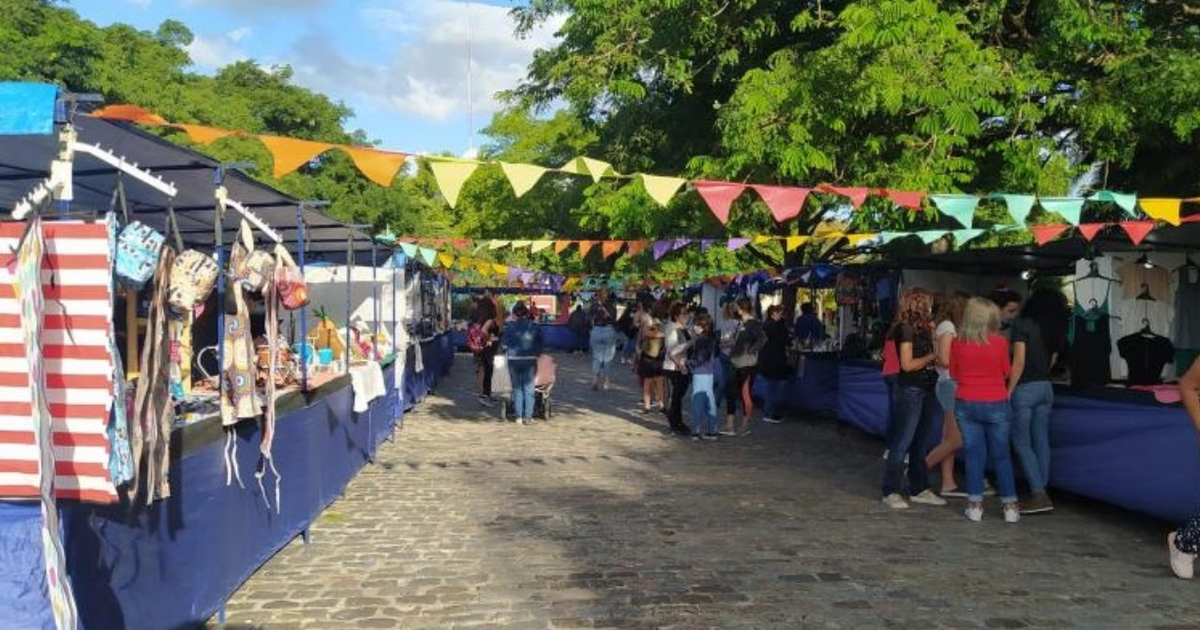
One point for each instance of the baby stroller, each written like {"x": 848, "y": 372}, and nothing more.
{"x": 543, "y": 385}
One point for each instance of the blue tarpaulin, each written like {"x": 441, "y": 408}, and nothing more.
{"x": 27, "y": 108}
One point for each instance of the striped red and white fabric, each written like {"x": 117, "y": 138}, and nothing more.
{"x": 77, "y": 285}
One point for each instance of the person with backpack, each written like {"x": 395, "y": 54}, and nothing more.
{"x": 522, "y": 344}
{"x": 748, "y": 341}
{"x": 482, "y": 338}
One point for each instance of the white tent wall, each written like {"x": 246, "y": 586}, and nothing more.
{"x": 327, "y": 288}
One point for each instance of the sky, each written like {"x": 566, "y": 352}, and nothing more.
{"x": 401, "y": 65}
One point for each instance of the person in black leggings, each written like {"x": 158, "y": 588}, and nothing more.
{"x": 1184, "y": 543}
{"x": 743, "y": 358}
{"x": 675, "y": 367}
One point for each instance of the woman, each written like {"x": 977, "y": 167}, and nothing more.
{"x": 1038, "y": 335}
{"x": 1184, "y": 543}
{"x": 523, "y": 344}
{"x": 730, "y": 324}
{"x": 773, "y": 364}
{"x": 702, "y": 361}
{"x": 650, "y": 359}
{"x": 743, "y": 358}
{"x": 675, "y": 367}
{"x": 603, "y": 338}
{"x": 980, "y": 365}
{"x": 912, "y": 333}
{"x": 485, "y": 318}
{"x": 627, "y": 328}
{"x": 949, "y": 318}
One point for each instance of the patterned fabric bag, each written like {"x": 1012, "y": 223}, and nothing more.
{"x": 193, "y": 275}
{"x": 253, "y": 267}
{"x": 289, "y": 281}
{"x": 138, "y": 248}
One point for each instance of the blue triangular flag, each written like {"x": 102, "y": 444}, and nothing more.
{"x": 959, "y": 207}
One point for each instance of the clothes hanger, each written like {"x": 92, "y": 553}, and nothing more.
{"x": 1145, "y": 294}
{"x": 1094, "y": 274}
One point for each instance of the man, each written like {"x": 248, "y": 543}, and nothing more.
{"x": 1009, "y": 303}
{"x": 809, "y": 329}
{"x": 1184, "y": 543}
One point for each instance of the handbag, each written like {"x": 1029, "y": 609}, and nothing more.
{"x": 289, "y": 281}
{"x": 252, "y": 270}
{"x": 193, "y": 275}
{"x": 138, "y": 247}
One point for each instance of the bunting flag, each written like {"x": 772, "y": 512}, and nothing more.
{"x": 661, "y": 248}
{"x": 636, "y": 247}
{"x": 962, "y": 237}
{"x": 961, "y": 208}
{"x": 858, "y": 239}
{"x": 1019, "y": 206}
{"x": 429, "y": 256}
{"x": 661, "y": 189}
{"x": 888, "y": 237}
{"x": 522, "y": 177}
{"x": 409, "y": 250}
{"x": 735, "y": 244}
{"x": 521, "y": 244}
{"x": 1126, "y": 201}
{"x": 1162, "y": 209}
{"x": 290, "y": 154}
{"x": 588, "y": 166}
{"x": 205, "y": 135}
{"x": 706, "y": 243}
{"x": 499, "y": 270}
{"x": 585, "y": 247}
{"x": 1090, "y": 230}
{"x": 609, "y": 248}
{"x": 537, "y": 246}
{"x": 451, "y": 176}
{"x": 910, "y": 199}
{"x": 1069, "y": 208}
{"x": 763, "y": 239}
{"x": 380, "y": 167}
{"x": 681, "y": 243}
{"x": 446, "y": 260}
{"x": 1043, "y": 234}
{"x": 785, "y": 202}
{"x": 460, "y": 242}
{"x": 1138, "y": 230}
{"x": 795, "y": 241}
{"x": 931, "y": 236}
{"x": 857, "y": 196}
{"x": 561, "y": 246}
{"x": 494, "y": 245}
{"x": 719, "y": 196}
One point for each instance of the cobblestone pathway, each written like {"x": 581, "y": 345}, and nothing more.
{"x": 597, "y": 519}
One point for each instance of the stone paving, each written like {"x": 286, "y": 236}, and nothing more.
{"x": 597, "y": 519}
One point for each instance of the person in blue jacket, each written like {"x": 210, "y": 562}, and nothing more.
{"x": 522, "y": 345}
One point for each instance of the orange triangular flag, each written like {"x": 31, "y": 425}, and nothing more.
{"x": 290, "y": 154}
{"x": 1045, "y": 233}
{"x": 205, "y": 135}
{"x": 1090, "y": 230}
{"x": 131, "y": 113}
{"x": 608, "y": 248}
{"x": 585, "y": 247}
{"x": 1138, "y": 230}
{"x": 379, "y": 166}
{"x": 636, "y": 247}
{"x": 561, "y": 246}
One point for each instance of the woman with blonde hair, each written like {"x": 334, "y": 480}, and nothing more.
{"x": 980, "y": 365}
{"x": 949, "y": 309}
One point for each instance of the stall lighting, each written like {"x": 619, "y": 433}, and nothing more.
{"x": 1027, "y": 275}
{"x": 1145, "y": 261}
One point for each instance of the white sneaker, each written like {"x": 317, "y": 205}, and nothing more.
{"x": 1183, "y": 564}
{"x": 895, "y": 501}
{"x": 975, "y": 512}
{"x": 770, "y": 420}
{"x": 1012, "y": 514}
{"x": 928, "y": 498}
{"x": 885, "y": 454}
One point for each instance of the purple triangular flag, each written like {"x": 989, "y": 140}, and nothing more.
{"x": 681, "y": 243}
{"x": 705, "y": 244}
{"x": 661, "y": 248}
{"x": 738, "y": 243}
{"x": 513, "y": 273}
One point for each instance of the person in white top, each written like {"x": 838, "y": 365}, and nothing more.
{"x": 674, "y": 367}
{"x": 948, "y": 313}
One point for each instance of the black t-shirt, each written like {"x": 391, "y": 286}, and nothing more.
{"x": 1146, "y": 356}
{"x": 1037, "y": 355}
{"x": 922, "y": 342}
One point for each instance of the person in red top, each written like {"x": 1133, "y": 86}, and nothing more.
{"x": 979, "y": 363}
{"x": 1184, "y": 543}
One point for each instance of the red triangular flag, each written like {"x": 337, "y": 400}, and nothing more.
{"x": 1090, "y": 230}
{"x": 608, "y": 248}
{"x": 561, "y": 246}
{"x": 785, "y": 202}
{"x": 857, "y": 195}
{"x": 636, "y": 247}
{"x": 1045, "y": 233}
{"x": 1138, "y": 230}
{"x": 719, "y": 196}
{"x": 905, "y": 198}
{"x": 585, "y": 247}
{"x": 460, "y": 243}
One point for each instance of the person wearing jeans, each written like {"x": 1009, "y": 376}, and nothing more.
{"x": 1184, "y": 543}
{"x": 603, "y": 341}
{"x": 773, "y": 364}
{"x": 523, "y": 343}
{"x": 1032, "y": 404}
{"x": 702, "y": 361}
{"x": 980, "y": 364}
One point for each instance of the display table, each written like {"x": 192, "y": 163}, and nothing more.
{"x": 814, "y": 388}
{"x": 173, "y": 564}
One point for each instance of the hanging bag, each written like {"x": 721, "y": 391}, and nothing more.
{"x": 138, "y": 247}
{"x": 289, "y": 281}
{"x": 257, "y": 266}
{"x": 193, "y": 275}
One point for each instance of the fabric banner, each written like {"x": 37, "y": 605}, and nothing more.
{"x": 785, "y": 202}
{"x": 1162, "y": 209}
{"x": 961, "y": 208}
{"x": 522, "y": 177}
{"x": 1069, "y": 208}
{"x": 451, "y": 176}
{"x": 538, "y": 246}
{"x": 1090, "y": 230}
{"x": 380, "y": 167}
{"x": 290, "y": 154}
{"x": 661, "y": 189}
{"x": 857, "y": 196}
{"x": 561, "y": 246}
{"x": 962, "y": 237}
{"x": 585, "y": 247}
{"x": 661, "y": 248}
{"x": 494, "y": 245}
{"x": 1043, "y": 234}
{"x": 719, "y": 196}
{"x": 608, "y": 248}
{"x": 27, "y": 108}
{"x": 796, "y": 241}
{"x": 931, "y": 236}
{"x": 205, "y": 135}
{"x": 910, "y": 199}
{"x": 1126, "y": 201}
{"x": 429, "y": 256}
{"x": 1138, "y": 230}
{"x": 735, "y": 244}
{"x": 1019, "y": 206}
{"x": 636, "y": 247}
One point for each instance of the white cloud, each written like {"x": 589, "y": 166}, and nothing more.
{"x": 248, "y": 6}
{"x": 141, "y": 4}
{"x": 426, "y": 74}
{"x": 210, "y": 53}
{"x": 238, "y": 34}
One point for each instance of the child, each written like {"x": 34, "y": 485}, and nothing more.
{"x": 702, "y": 357}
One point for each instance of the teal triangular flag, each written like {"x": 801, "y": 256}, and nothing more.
{"x": 959, "y": 207}
{"x": 409, "y": 249}
{"x": 430, "y": 256}
{"x": 1070, "y": 208}
{"x": 888, "y": 237}
{"x": 1019, "y": 206}
{"x": 1127, "y": 201}
{"x": 961, "y": 237}
{"x": 930, "y": 236}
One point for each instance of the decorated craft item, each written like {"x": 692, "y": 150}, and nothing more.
{"x": 192, "y": 279}
{"x": 289, "y": 281}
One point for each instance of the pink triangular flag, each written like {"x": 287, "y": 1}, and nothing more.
{"x": 1045, "y": 233}
{"x": 785, "y": 202}
{"x": 1090, "y": 230}
{"x": 719, "y": 196}
{"x": 905, "y": 198}
{"x": 1138, "y": 230}
{"x": 857, "y": 196}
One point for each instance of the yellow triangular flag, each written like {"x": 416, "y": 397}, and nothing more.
{"x": 574, "y": 166}
{"x": 500, "y": 270}
{"x": 446, "y": 259}
{"x": 662, "y": 189}
{"x": 497, "y": 244}
{"x": 484, "y": 268}
{"x": 795, "y": 241}
{"x": 523, "y": 177}
{"x": 517, "y": 244}
{"x": 856, "y": 239}
{"x": 597, "y": 168}
{"x": 538, "y": 246}
{"x": 464, "y": 263}
{"x": 451, "y": 176}
{"x": 832, "y": 235}
{"x": 760, "y": 239}
{"x": 1162, "y": 209}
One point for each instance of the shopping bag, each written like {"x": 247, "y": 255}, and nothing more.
{"x": 501, "y": 379}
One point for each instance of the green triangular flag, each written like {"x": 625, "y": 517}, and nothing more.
{"x": 888, "y": 237}
{"x": 1069, "y": 208}
{"x": 430, "y": 256}
{"x": 959, "y": 207}
{"x": 961, "y": 237}
{"x": 1019, "y": 206}
{"x": 931, "y": 236}
{"x": 1127, "y": 201}
{"x": 409, "y": 249}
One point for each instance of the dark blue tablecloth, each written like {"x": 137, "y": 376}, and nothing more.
{"x": 815, "y": 388}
